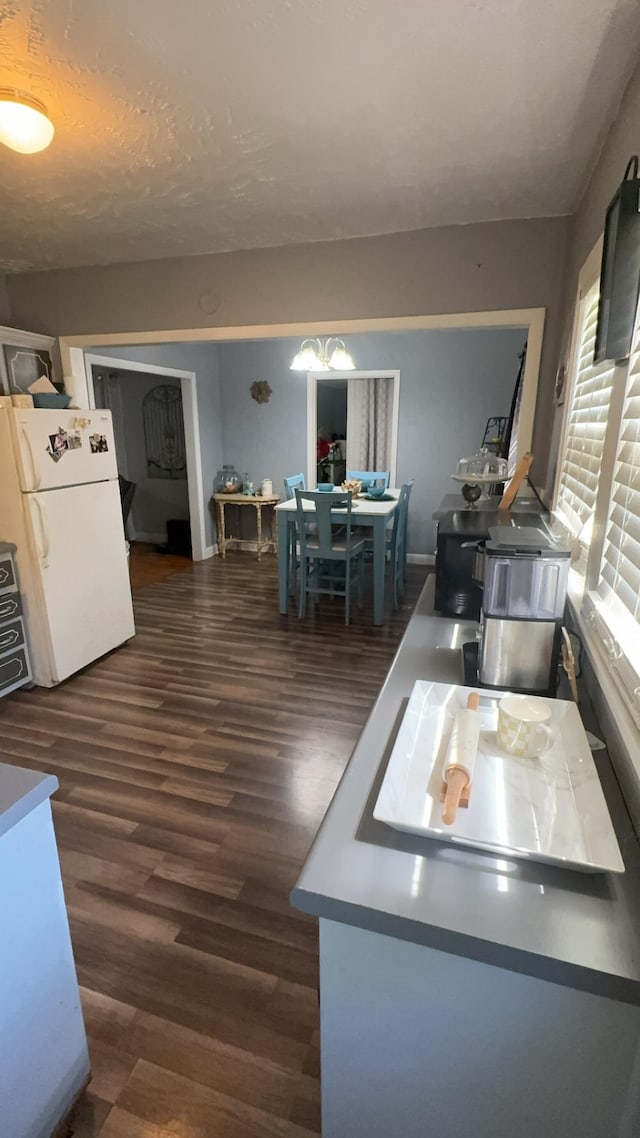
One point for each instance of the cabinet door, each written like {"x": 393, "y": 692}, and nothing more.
{"x": 14, "y": 670}
{"x": 7, "y": 573}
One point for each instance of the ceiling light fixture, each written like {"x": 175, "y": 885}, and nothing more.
{"x": 322, "y": 355}
{"x": 24, "y": 123}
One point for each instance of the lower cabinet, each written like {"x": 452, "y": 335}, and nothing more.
{"x": 15, "y": 667}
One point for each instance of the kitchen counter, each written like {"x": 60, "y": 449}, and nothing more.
{"x": 525, "y": 503}
{"x": 577, "y": 929}
{"x": 45, "y": 1063}
{"x": 443, "y": 969}
{"x": 20, "y": 792}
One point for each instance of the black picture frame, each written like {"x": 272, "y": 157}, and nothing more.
{"x": 24, "y": 366}
{"x": 620, "y": 270}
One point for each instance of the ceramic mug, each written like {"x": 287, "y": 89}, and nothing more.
{"x": 523, "y": 728}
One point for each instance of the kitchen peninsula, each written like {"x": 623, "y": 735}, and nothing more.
{"x": 45, "y": 1062}
{"x": 465, "y": 995}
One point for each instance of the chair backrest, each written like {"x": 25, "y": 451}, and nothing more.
{"x": 291, "y": 484}
{"x": 369, "y": 476}
{"x": 319, "y": 525}
{"x": 399, "y": 529}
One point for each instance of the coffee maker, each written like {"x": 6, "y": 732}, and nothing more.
{"x": 523, "y": 573}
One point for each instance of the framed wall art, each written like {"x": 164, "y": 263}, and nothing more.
{"x": 23, "y": 366}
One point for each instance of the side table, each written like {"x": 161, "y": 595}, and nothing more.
{"x": 257, "y": 501}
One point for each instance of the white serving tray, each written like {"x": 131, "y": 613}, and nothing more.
{"x": 548, "y": 809}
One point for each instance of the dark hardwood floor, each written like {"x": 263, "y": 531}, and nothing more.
{"x": 195, "y": 765}
{"x": 146, "y": 565}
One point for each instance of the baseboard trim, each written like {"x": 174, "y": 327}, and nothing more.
{"x": 421, "y": 558}
{"x": 240, "y": 543}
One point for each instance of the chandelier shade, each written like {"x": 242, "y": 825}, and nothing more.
{"x": 315, "y": 354}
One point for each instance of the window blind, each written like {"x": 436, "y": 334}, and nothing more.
{"x": 621, "y": 560}
{"x": 586, "y": 426}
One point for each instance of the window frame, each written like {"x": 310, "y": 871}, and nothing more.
{"x": 612, "y": 669}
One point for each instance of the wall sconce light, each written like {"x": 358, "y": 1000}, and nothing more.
{"x": 24, "y": 123}
{"x": 322, "y": 355}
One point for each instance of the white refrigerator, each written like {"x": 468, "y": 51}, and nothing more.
{"x": 60, "y": 504}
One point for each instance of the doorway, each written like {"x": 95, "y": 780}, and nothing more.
{"x": 190, "y": 511}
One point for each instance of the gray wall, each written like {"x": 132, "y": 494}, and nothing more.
{"x": 497, "y": 265}
{"x": 156, "y": 499}
{"x": 5, "y": 307}
{"x": 622, "y": 141}
{"x": 202, "y": 359}
{"x": 450, "y": 383}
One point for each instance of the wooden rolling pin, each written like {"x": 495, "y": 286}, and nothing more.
{"x": 461, "y": 757}
{"x": 519, "y": 475}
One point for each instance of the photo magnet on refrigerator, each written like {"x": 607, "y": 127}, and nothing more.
{"x": 58, "y": 444}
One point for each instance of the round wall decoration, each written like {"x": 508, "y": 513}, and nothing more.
{"x": 260, "y": 391}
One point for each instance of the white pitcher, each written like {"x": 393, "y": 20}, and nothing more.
{"x": 267, "y": 488}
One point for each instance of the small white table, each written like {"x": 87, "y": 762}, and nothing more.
{"x": 377, "y": 515}
{"x": 255, "y": 500}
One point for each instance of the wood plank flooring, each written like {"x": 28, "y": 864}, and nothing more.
{"x": 195, "y": 765}
{"x": 147, "y": 566}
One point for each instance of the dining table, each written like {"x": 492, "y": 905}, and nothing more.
{"x": 373, "y": 513}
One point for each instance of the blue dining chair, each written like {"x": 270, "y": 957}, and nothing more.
{"x": 331, "y": 558}
{"x": 369, "y": 476}
{"x": 291, "y": 484}
{"x": 397, "y": 551}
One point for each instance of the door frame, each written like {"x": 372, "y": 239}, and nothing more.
{"x": 315, "y": 377}
{"x": 189, "y": 391}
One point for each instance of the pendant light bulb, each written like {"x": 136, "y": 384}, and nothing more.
{"x": 24, "y": 123}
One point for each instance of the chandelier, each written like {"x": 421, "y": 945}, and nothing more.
{"x": 322, "y": 355}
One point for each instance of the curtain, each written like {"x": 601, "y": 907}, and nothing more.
{"x": 369, "y": 411}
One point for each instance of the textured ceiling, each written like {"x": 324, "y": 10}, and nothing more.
{"x": 213, "y": 125}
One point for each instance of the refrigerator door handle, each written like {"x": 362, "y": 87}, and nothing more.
{"x": 44, "y": 534}
{"x": 35, "y": 481}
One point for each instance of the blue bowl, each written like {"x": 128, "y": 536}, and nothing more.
{"x": 325, "y": 487}
{"x": 50, "y": 400}
{"x": 375, "y": 491}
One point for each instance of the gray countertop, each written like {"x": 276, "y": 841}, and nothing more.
{"x": 20, "y": 792}
{"x": 580, "y": 930}
{"x": 525, "y": 503}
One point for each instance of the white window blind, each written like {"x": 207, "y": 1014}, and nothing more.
{"x": 621, "y": 561}
{"x": 590, "y": 397}
{"x": 613, "y": 610}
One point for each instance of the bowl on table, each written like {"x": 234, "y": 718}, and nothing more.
{"x": 325, "y": 487}
{"x": 376, "y": 491}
